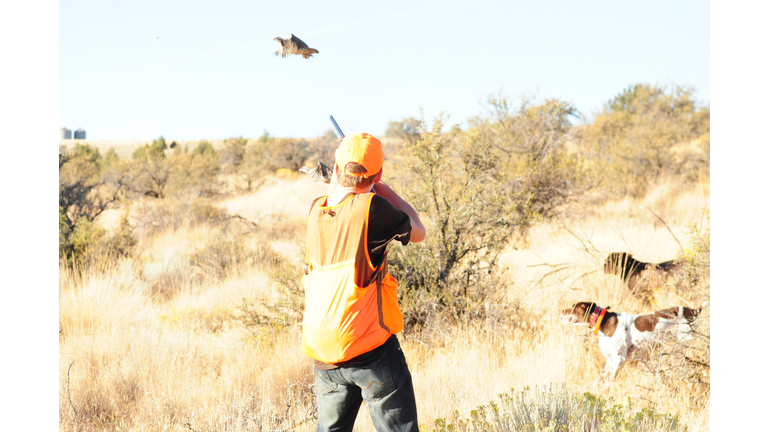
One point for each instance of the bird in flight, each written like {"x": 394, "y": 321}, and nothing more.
{"x": 294, "y": 45}
{"x": 321, "y": 172}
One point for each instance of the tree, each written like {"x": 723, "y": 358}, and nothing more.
{"x": 530, "y": 141}
{"x": 285, "y": 153}
{"x": 469, "y": 220}
{"x": 194, "y": 173}
{"x": 151, "y": 169}
{"x": 408, "y": 129}
{"x": 322, "y": 148}
{"x": 232, "y": 154}
{"x": 633, "y": 138}
{"x": 534, "y": 131}
{"x": 88, "y": 185}
{"x": 253, "y": 169}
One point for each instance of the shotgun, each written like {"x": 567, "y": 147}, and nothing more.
{"x": 338, "y": 129}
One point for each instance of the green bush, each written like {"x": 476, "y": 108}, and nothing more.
{"x": 470, "y": 218}
{"x": 633, "y": 140}
{"x": 408, "y": 130}
{"x": 88, "y": 185}
{"x": 559, "y": 410}
{"x": 253, "y": 169}
{"x": 150, "y": 170}
{"x": 194, "y": 173}
{"x": 285, "y": 153}
{"x": 88, "y": 242}
{"x": 530, "y": 141}
{"x": 232, "y": 154}
{"x": 476, "y": 190}
{"x": 122, "y": 242}
{"x": 86, "y": 236}
{"x": 323, "y": 148}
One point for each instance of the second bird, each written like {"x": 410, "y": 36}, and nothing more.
{"x": 294, "y": 45}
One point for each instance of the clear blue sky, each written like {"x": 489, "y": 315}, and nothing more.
{"x": 206, "y": 70}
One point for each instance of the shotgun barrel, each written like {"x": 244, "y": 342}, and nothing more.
{"x": 338, "y": 129}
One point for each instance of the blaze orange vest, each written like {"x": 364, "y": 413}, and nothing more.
{"x": 350, "y": 305}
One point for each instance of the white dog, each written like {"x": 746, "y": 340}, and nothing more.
{"x": 620, "y": 334}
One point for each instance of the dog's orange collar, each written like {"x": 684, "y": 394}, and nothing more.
{"x": 597, "y": 318}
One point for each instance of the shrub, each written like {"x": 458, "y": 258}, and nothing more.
{"x": 284, "y": 153}
{"x": 265, "y": 318}
{"x": 232, "y": 154}
{"x": 150, "y": 170}
{"x": 408, "y": 130}
{"x": 470, "y": 219}
{"x": 322, "y": 148}
{"x": 88, "y": 185}
{"x": 195, "y": 173}
{"x": 632, "y": 140}
{"x": 156, "y": 216}
{"x": 475, "y": 191}
{"x": 559, "y": 410}
{"x": 223, "y": 256}
{"x": 82, "y": 190}
{"x": 681, "y": 363}
{"x": 534, "y": 162}
{"x": 532, "y": 132}
{"x": 88, "y": 242}
{"x": 86, "y": 236}
{"x": 253, "y": 169}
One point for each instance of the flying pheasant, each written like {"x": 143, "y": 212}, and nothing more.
{"x": 321, "y": 172}
{"x": 294, "y": 45}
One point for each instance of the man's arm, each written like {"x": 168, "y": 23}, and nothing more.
{"x": 418, "y": 232}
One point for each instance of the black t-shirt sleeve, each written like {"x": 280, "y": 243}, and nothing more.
{"x": 385, "y": 224}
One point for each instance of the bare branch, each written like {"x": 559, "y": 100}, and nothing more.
{"x": 665, "y": 224}
{"x": 69, "y": 396}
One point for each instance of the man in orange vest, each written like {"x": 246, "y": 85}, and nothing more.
{"x": 351, "y": 312}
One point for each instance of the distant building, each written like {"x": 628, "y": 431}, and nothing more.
{"x": 80, "y": 134}
{"x": 65, "y": 133}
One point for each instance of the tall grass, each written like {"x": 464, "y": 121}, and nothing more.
{"x": 134, "y": 360}
{"x": 130, "y": 362}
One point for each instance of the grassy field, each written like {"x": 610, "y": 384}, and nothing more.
{"x": 154, "y": 343}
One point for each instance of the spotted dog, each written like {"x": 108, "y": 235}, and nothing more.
{"x": 621, "y": 334}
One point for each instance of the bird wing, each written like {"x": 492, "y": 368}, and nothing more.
{"x": 325, "y": 172}
{"x": 284, "y": 50}
{"x": 298, "y": 43}
{"x": 321, "y": 172}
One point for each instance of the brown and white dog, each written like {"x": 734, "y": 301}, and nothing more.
{"x": 638, "y": 275}
{"x": 620, "y": 334}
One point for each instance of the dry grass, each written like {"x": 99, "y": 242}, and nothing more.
{"x": 131, "y": 360}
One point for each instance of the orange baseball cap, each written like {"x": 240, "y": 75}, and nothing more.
{"x": 364, "y": 149}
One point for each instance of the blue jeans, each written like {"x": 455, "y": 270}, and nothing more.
{"x": 383, "y": 381}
